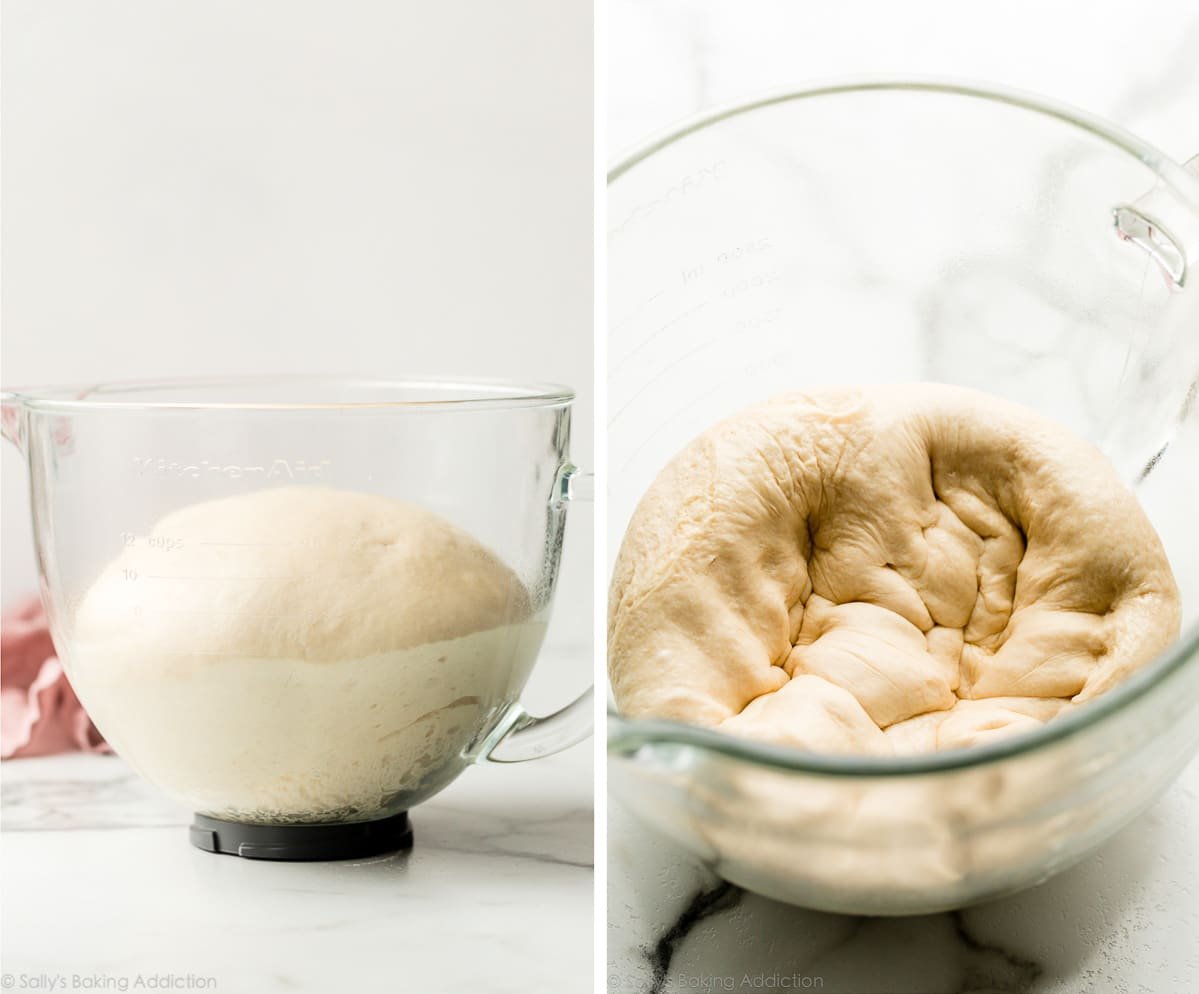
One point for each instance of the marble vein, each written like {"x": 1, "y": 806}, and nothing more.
{"x": 704, "y": 904}
{"x": 1016, "y": 973}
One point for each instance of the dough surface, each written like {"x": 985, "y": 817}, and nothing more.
{"x": 884, "y": 571}
{"x": 301, "y": 654}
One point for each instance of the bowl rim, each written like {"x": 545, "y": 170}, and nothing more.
{"x": 627, "y": 736}
{"x": 1170, "y": 170}
{"x": 122, "y": 395}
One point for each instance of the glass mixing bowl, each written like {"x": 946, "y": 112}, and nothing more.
{"x": 227, "y": 655}
{"x": 911, "y": 230}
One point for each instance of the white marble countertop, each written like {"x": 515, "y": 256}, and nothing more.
{"x": 101, "y": 884}
{"x": 1124, "y": 921}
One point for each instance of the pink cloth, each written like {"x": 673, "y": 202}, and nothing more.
{"x": 39, "y": 712}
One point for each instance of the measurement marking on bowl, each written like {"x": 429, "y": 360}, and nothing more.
{"x": 619, "y": 323}
{"x": 658, "y": 376}
{"x": 678, "y": 414}
{"x": 661, "y": 330}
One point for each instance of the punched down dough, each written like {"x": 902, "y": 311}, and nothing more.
{"x": 884, "y": 571}
{"x": 301, "y": 654}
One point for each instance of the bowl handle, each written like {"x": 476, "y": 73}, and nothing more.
{"x": 1164, "y": 229}
{"x": 520, "y": 735}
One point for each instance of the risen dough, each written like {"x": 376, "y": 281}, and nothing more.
{"x": 884, "y": 570}
{"x": 301, "y": 654}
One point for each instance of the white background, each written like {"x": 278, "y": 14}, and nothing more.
{"x": 214, "y": 187}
